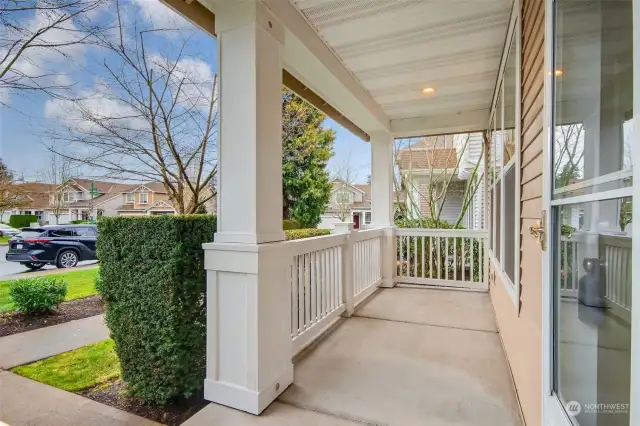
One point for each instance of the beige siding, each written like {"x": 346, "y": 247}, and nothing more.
{"x": 521, "y": 326}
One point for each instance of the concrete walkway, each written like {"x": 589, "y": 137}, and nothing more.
{"x": 44, "y": 342}
{"x": 24, "y": 402}
{"x": 407, "y": 357}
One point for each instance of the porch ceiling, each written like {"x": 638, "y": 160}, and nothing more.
{"x": 395, "y": 49}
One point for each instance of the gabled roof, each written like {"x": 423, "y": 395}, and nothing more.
{"x": 164, "y": 204}
{"x": 151, "y": 186}
{"x": 338, "y": 183}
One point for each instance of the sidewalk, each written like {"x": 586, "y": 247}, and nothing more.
{"x": 44, "y": 342}
{"x": 26, "y": 402}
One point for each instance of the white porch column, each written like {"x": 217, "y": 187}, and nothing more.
{"x": 248, "y": 296}
{"x": 382, "y": 201}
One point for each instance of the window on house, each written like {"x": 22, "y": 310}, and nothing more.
{"x": 144, "y": 198}
{"x": 502, "y": 168}
{"x": 367, "y": 217}
{"x": 344, "y": 197}
{"x": 79, "y": 195}
{"x": 129, "y": 197}
{"x": 68, "y": 197}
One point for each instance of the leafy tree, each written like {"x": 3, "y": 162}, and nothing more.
{"x": 201, "y": 209}
{"x": 306, "y": 149}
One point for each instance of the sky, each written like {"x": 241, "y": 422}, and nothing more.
{"x": 24, "y": 123}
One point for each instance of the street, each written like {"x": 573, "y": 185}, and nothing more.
{"x": 10, "y": 270}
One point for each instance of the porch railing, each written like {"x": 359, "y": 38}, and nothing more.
{"x": 615, "y": 254}
{"x": 447, "y": 257}
{"x": 615, "y": 251}
{"x": 367, "y": 262}
{"x": 569, "y": 268}
{"x": 316, "y": 278}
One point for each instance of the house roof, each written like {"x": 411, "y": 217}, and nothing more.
{"x": 427, "y": 158}
{"x": 101, "y": 186}
{"x": 160, "y": 204}
{"x": 37, "y": 192}
{"x": 151, "y": 186}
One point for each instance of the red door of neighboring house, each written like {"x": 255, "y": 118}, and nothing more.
{"x": 356, "y": 221}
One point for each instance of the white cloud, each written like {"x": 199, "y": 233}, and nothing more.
{"x": 95, "y": 105}
{"x": 197, "y": 76}
{"x": 161, "y": 16}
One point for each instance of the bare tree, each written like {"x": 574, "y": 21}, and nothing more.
{"x": 56, "y": 175}
{"x": 150, "y": 117}
{"x": 36, "y": 31}
{"x": 568, "y": 153}
{"x": 345, "y": 174}
{"x": 439, "y": 182}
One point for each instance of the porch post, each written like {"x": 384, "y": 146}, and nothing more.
{"x": 248, "y": 296}
{"x": 382, "y": 201}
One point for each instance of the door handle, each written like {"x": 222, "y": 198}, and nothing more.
{"x": 538, "y": 231}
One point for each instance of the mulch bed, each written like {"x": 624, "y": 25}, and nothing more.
{"x": 114, "y": 394}
{"x": 18, "y": 322}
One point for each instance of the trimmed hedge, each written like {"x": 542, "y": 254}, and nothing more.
{"x": 288, "y": 224}
{"x": 22, "y": 220}
{"x": 37, "y": 295}
{"x": 297, "y": 234}
{"x": 79, "y": 222}
{"x": 153, "y": 281}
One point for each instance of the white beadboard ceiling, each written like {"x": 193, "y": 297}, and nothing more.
{"x": 397, "y": 47}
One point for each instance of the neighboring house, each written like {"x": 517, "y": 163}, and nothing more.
{"x": 349, "y": 201}
{"x": 147, "y": 199}
{"x": 434, "y": 161}
{"x": 84, "y": 199}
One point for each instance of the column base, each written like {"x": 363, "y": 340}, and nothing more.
{"x": 388, "y": 283}
{"x": 244, "y": 399}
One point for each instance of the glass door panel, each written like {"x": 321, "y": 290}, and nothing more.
{"x": 591, "y": 210}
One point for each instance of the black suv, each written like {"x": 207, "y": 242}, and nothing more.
{"x": 60, "y": 245}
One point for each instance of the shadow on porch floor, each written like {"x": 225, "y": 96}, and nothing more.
{"x": 407, "y": 357}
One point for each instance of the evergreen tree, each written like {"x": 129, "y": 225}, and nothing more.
{"x": 306, "y": 149}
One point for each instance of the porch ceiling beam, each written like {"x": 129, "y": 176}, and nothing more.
{"x": 310, "y": 96}
{"x": 311, "y": 69}
{"x": 461, "y": 122}
{"x": 310, "y": 60}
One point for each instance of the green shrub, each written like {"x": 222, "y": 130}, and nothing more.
{"x": 297, "y": 234}
{"x": 79, "y": 222}
{"x": 288, "y": 224}
{"x": 37, "y": 295}
{"x": 22, "y": 220}
{"x": 153, "y": 282}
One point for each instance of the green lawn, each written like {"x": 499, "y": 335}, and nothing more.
{"x": 79, "y": 284}
{"x": 76, "y": 370}
{"x": 4, "y": 240}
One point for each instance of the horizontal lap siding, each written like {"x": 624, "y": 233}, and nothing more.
{"x": 521, "y": 331}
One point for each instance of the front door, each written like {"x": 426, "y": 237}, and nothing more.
{"x": 593, "y": 130}
{"x": 356, "y": 221}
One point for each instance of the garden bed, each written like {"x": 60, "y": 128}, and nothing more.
{"x": 93, "y": 371}
{"x": 114, "y": 394}
{"x": 18, "y": 322}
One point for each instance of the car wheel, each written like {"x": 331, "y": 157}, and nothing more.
{"x": 67, "y": 259}
{"x": 34, "y": 266}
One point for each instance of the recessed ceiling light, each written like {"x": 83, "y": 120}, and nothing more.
{"x": 558, "y": 73}
{"x": 428, "y": 90}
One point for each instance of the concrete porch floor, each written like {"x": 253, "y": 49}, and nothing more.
{"x": 407, "y": 357}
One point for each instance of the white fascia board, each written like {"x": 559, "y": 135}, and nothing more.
{"x": 310, "y": 60}
{"x": 461, "y": 122}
